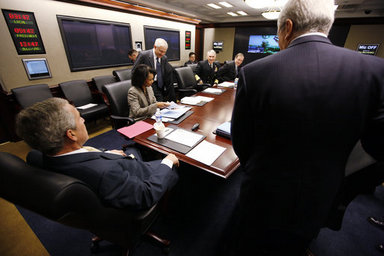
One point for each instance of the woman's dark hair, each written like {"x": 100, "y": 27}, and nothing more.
{"x": 140, "y": 74}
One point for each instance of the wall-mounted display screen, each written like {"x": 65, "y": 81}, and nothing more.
{"x": 24, "y": 31}
{"x": 37, "y": 68}
{"x": 218, "y": 45}
{"x": 92, "y": 44}
{"x": 267, "y": 44}
{"x": 171, "y": 36}
{"x": 368, "y": 49}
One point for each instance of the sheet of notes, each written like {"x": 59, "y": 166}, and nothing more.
{"x": 206, "y": 152}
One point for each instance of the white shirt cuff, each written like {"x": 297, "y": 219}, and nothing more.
{"x": 167, "y": 162}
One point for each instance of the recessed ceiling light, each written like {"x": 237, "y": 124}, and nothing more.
{"x": 225, "y": 4}
{"x": 232, "y": 14}
{"x": 271, "y": 15}
{"x": 215, "y": 6}
{"x": 242, "y": 13}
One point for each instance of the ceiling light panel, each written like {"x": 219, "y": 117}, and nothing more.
{"x": 215, "y": 6}
{"x": 242, "y": 13}
{"x": 226, "y": 4}
{"x": 232, "y": 14}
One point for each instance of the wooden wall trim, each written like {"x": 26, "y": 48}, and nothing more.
{"x": 127, "y": 7}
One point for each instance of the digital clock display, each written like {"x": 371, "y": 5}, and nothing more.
{"x": 24, "y": 32}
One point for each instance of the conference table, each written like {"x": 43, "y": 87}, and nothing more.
{"x": 209, "y": 117}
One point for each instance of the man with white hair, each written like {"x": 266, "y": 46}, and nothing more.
{"x": 156, "y": 59}
{"x": 297, "y": 116}
{"x": 206, "y": 70}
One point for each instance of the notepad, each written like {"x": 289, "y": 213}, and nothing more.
{"x": 135, "y": 129}
{"x": 206, "y": 152}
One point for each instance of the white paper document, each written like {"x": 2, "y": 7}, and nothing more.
{"x": 206, "y": 152}
{"x": 89, "y": 105}
{"x": 195, "y": 100}
{"x": 227, "y": 84}
{"x": 184, "y": 137}
{"x": 212, "y": 90}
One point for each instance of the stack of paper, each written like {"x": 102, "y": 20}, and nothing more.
{"x": 213, "y": 90}
{"x": 195, "y": 100}
{"x": 227, "y": 84}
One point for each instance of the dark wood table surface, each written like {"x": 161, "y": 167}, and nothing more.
{"x": 209, "y": 116}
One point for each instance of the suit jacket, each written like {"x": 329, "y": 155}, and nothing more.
{"x": 167, "y": 93}
{"x": 227, "y": 72}
{"x": 207, "y": 74}
{"x": 139, "y": 106}
{"x": 297, "y": 116}
{"x": 119, "y": 181}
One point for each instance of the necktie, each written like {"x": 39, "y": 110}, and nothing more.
{"x": 159, "y": 74}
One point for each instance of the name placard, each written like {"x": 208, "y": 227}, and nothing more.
{"x": 24, "y": 32}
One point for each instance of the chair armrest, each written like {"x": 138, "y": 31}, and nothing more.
{"x": 187, "y": 90}
{"x": 124, "y": 118}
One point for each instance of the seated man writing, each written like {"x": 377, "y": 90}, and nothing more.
{"x": 121, "y": 179}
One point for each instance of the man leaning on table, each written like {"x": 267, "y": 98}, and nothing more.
{"x": 297, "y": 116}
{"x": 122, "y": 179}
{"x": 206, "y": 70}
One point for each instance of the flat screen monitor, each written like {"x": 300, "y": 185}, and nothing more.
{"x": 92, "y": 44}
{"x": 37, "y": 68}
{"x": 368, "y": 49}
{"x": 267, "y": 44}
{"x": 171, "y": 36}
{"x": 218, "y": 45}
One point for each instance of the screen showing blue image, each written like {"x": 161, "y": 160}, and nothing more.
{"x": 267, "y": 44}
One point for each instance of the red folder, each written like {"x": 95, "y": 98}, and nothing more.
{"x": 135, "y": 129}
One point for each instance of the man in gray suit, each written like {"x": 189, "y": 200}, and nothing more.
{"x": 156, "y": 59}
{"x": 297, "y": 116}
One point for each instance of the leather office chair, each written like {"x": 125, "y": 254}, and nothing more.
{"x": 117, "y": 94}
{"x": 122, "y": 74}
{"x": 71, "y": 202}
{"x": 186, "y": 81}
{"x": 79, "y": 94}
{"x": 192, "y": 66}
{"x": 99, "y": 81}
{"x": 30, "y": 94}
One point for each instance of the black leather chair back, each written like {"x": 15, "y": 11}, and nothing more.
{"x": 122, "y": 74}
{"x": 185, "y": 77}
{"x": 69, "y": 201}
{"x": 193, "y": 67}
{"x": 30, "y": 94}
{"x": 117, "y": 94}
{"x": 99, "y": 81}
{"x": 77, "y": 91}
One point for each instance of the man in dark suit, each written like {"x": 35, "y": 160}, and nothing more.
{"x": 156, "y": 59}
{"x": 121, "y": 179}
{"x": 230, "y": 70}
{"x": 206, "y": 70}
{"x": 297, "y": 116}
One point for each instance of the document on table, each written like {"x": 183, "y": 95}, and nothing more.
{"x": 227, "y": 84}
{"x": 184, "y": 137}
{"x": 195, "y": 100}
{"x": 206, "y": 152}
{"x": 213, "y": 90}
{"x": 86, "y": 106}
